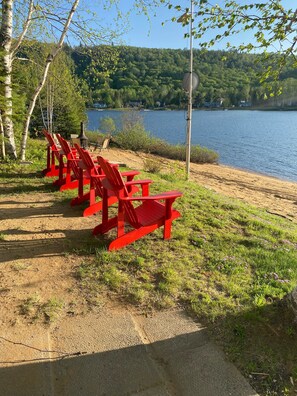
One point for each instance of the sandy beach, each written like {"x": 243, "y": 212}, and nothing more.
{"x": 277, "y": 196}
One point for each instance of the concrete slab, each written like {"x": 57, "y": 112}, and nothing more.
{"x": 18, "y": 373}
{"x": 194, "y": 364}
{"x": 117, "y": 353}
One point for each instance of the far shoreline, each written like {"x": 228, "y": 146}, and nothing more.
{"x": 194, "y": 109}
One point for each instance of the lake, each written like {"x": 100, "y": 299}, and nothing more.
{"x": 260, "y": 141}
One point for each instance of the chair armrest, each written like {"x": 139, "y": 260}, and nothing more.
{"x": 130, "y": 173}
{"x": 157, "y": 197}
{"x": 133, "y": 182}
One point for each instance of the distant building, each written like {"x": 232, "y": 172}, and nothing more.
{"x": 245, "y": 103}
{"x": 213, "y": 105}
{"x": 136, "y": 103}
{"x": 100, "y": 105}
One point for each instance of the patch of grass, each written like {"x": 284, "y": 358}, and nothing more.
{"x": 152, "y": 164}
{"x": 20, "y": 266}
{"x": 34, "y": 309}
{"x": 2, "y": 237}
{"x": 51, "y": 309}
{"x": 29, "y": 306}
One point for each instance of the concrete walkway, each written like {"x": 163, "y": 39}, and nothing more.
{"x": 117, "y": 353}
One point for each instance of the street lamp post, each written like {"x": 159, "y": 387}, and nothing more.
{"x": 189, "y": 117}
{"x": 190, "y": 82}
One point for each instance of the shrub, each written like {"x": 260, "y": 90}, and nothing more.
{"x": 107, "y": 126}
{"x": 152, "y": 164}
{"x": 94, "y": 137}
{"x": 133, "y": 136}
{"x": 136, "y": 139}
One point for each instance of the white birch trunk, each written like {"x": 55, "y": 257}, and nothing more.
{"x": 49, "y": 60}
{"x": 3, "y": 151}
{"x": 5, "y": 44}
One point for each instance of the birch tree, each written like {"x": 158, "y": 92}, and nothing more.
{"x": 7, "y": 55}
{"x": 35, "y": 16}
{"x": 50, "y": 58}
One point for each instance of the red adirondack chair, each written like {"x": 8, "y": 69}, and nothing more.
{"x": 145, "y": 218}
{"x": 95, "y": 174}
{"x": 53, "y": 154}
{"x": 73, "y": 175}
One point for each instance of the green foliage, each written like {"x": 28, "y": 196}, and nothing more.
{"x": 133, "y": 137}
{"x": 61, "y": 95}
{"x": 152, "y": 164}
{"x": 107, "y": 126}
{"x": 152, "y": 78}
{"x": 272, "y": 25}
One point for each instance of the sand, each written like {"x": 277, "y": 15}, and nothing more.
{"x": 277, "y": 196}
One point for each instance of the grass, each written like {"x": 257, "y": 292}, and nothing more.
{"x": 228, "y": 264}
{"x": 34, "y": 309}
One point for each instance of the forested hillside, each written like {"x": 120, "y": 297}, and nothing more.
{"x": 130, "y": 76}
{"x": 150, "y": 78}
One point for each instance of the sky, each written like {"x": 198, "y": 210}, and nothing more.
{"x": 144, "y": 32}
{"x": 152, "y": 34}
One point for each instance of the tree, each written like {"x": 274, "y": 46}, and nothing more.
{"x": 47, "y": 19}
{"x": 107, "y": 126}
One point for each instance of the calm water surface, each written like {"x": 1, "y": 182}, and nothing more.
{"x": 260, "y": 141}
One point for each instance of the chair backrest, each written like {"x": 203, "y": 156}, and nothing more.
{"x": 90, "y": 168}
{"x": 87, "y": 160}
{"x": 64, "y": 145}
{"x": 114, "y": 182}
{"x": 50, "y": 140}
{"x": 69, "y": 154}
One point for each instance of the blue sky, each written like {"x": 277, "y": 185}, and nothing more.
{"x": 142, "y": 32}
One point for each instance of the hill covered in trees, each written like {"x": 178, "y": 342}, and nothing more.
{"x": 129, "y": 76}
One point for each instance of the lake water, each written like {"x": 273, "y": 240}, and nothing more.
{"x": 260, "y": 141}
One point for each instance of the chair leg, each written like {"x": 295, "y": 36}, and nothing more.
{"x": 97, "y": 206}
{"x": 131, "y": 236}
{"x": 105, "y": 226}
{"x": 70, "y": 185}
{"x": 167, "y": 229}
{"x": 81, "y": 196}
{"x": 51, "y": 169}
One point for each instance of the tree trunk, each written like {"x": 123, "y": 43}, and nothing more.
{"x": 49, "y": 60}
{"x": 2, "y": 140}
{"x": 5, "y": 44}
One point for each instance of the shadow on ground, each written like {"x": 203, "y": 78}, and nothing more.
{"x": 183, "y": 365}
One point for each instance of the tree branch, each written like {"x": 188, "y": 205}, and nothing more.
{"x": 25, "y": 29}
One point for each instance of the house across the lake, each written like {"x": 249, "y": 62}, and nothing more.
{"x": 99, "y": 105}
